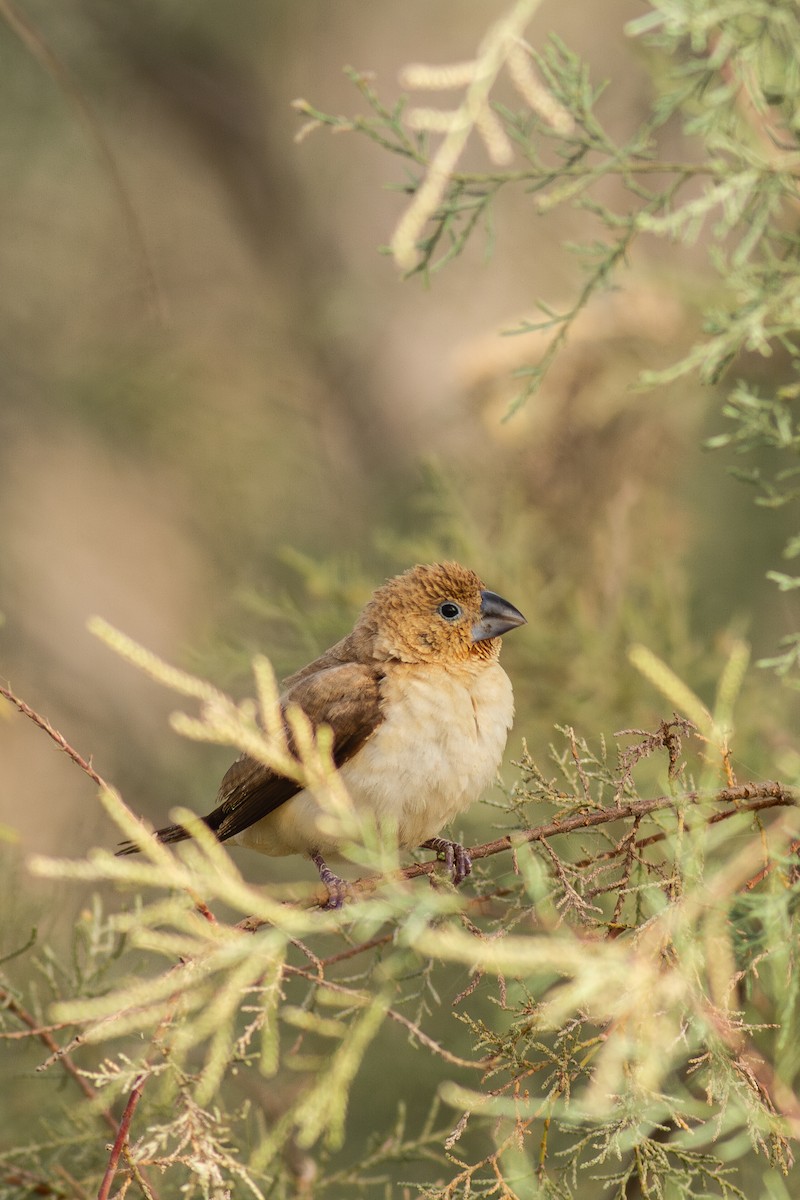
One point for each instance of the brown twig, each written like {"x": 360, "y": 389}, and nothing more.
{"x": 361, "y": 999}
{"x": 760, "y": 876}
{"x": 579, "y": 767}
{"x": 668, "y": 735}
{"x": 57, "y": 737}
{"x": 121, "y": 1137}
{"x": 755, "y": 796}
{"x": 627, "y": 847}
{"x": 20, "y": 1035}
{"x": 61, "y": 1055}
{"x": 766, "y": 801}
{"x": 43, "y": 1034}
{"x": 361, "y": 948}
{"x": 28, "y": 1183}
{"x": 120, "y": 1146}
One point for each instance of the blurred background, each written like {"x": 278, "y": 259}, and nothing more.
{"x": 224, "y": 417}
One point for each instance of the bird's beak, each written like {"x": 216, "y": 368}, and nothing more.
{"x": 497, "y": 617}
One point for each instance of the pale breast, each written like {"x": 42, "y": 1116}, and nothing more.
{"x": 437, "y": 749}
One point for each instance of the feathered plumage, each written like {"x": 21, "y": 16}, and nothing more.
{"x": 419, "y": 708}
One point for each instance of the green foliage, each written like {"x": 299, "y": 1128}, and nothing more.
{"x": 729, "y": 73}
{"x": 622, "y": 1001}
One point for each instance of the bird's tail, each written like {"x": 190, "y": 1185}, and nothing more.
{"x": 170, "y": 833}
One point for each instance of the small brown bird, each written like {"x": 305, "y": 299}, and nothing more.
{"x": 420, "y": 709}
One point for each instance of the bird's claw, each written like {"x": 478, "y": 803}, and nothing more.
{"x": 455, "y": 857}
{"x": 337, "y": 894}
{"x": 335, "y": 886}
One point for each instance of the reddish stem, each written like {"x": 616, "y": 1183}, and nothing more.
{"x": 121, "y": 1138}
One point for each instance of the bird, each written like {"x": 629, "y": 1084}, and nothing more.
{"x": 419, "y": 709}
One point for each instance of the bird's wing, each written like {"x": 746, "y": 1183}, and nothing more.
{"x": 346, "y": 697}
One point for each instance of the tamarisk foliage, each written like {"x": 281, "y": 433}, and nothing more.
{"x": 610, "y": 1004}
{"x": 728, "y": 74}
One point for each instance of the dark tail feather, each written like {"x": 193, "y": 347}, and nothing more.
{"x": 171, "y": 833}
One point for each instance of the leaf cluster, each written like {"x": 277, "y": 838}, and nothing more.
{"x": 728, "y": 74}
{"x": 609, "y": 1002}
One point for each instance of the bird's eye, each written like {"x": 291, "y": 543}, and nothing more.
{"x": 449, "y": 610}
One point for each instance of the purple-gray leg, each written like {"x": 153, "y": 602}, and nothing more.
{"x": 337, "y": 888}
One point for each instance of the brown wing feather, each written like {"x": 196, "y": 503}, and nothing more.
{"x": 346, "y": 697}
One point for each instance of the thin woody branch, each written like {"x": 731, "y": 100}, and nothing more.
{"x": 121, "y": 1139}
{"x": 751, "y": 797}
{"x": 61, "y": 1055}
{"x": 12, "y": 1005}
{"x": 57, "y": 737}
{"x": 746, "y": 798}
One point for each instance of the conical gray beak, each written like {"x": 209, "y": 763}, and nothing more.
{"x": 497, "y": 617}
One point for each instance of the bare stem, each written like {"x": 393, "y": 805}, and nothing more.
{"x": 57, "y": 737}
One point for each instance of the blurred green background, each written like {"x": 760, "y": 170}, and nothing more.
{"x": 224, "y": 417}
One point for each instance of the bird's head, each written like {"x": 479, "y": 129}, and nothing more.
{"x": 438, "y": 614}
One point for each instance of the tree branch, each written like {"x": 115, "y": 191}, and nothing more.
{"x": 43, "y": 1034}
{"x": 749, "y": 797}
{"x": 57, "y": 737}
{"x": 121, "y": 1139}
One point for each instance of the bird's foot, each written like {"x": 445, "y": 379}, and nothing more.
{"x": 336, "y": 887}
{"x": 455, "y": 857}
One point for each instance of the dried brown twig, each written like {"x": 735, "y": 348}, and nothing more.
{"x": 121, "y": 1139}
{"x": 12, "y": 1005}
{"x": 57, "y": 737}
{"x": 749, "y": 797}
{"x": 61, "y": 1054}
